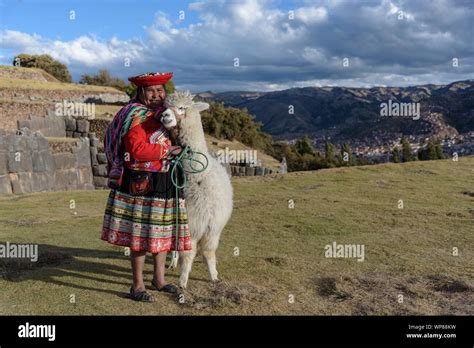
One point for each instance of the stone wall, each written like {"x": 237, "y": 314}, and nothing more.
{"x": 28, "y": 164}
{"x": 48, "y": 126}
{"x": 250, "y": 170}
{"x": 59, "y": 95}
{"x": 13, "y": 111}
{"x": 61, "y": 153}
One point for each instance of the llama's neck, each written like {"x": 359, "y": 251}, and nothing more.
{"x": 194, "y": 138}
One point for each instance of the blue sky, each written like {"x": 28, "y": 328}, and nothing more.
{"x": 103, "y": 18}
{"x": 278, "y": 44}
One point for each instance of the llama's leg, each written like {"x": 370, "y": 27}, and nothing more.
{"x": 209, "y": 244}
{"x": 186, "y": 259}
{"x": 211, "y": 261}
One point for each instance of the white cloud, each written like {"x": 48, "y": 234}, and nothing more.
{"x": 311, "y": 15}
{"x": 84, "y": 51}
{"x": 196, "y": 6}
{"x": 162, "y": 21}
{"x": 17, "y": 40}
{"x": 275, "y": 51}
{"x": 315, "y": 55}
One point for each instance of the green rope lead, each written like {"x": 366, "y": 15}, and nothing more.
{"x": 188, "y": 155}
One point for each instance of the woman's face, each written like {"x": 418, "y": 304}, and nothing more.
{"x": 153, "y": 96}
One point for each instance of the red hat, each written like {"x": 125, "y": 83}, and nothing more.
{"x": 150, "y": 79}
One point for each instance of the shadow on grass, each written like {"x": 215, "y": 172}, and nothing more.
{"x": 85, "y": 266}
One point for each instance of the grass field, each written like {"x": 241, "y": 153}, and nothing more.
{"x": 29, "y": 72}
{"x": 409, "y": 266}
{"x": 21, "y": 84}
{"x": 267, "y": 161}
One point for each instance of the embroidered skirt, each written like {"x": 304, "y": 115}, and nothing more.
{"x": 146, "y": 221}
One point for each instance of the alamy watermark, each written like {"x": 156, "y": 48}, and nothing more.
{"x": 396, "y": 109}
{"x": 237, "y": 156}
{"x": 37, "y": 331}
{"x": 335, "y": 250}
{"x": 68, "y": 108}
{"x": 19, "y": 251}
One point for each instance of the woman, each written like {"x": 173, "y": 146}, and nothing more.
{"x": 140, "y": 212}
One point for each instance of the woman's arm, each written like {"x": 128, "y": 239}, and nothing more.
{"x": 139, "y": 148}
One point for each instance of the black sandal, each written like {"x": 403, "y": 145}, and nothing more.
{"x": 169, "y": 288}
{"x": 141, "y": 296}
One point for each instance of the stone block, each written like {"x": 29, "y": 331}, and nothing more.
{"x": 3, "y": 163}
{"x": 100, "y": 170}
{"x": 100, "y": 181}
{"x": 93, "y": 152}
{"x": 65, "y": 179}
{"x": 89, "y": 187}
{"x": 83, "y": 156}
{"x": 38, "y": 160}
{"x": 82, "y": 126}
{"x": 84, "y": 176}
{"x": 40, "y": 182}
{"x": 21, "y": 182}
{"x": 17, "y": 143}
{"x": 43, "y": 143}
{"x": 32, "y": 142}
{"x": 102, "y": 158}
{"x": 94, "y": 142}
{"x": 70, "y": 124}
{"x": 64, "y": 160}
{"x": 20, "y": 162}
{"x": 5, "y": 184}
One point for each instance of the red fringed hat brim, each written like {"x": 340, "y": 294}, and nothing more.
{"x": 151, "y": 80}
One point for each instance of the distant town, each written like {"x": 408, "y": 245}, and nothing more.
{"x": 379, "y": 148}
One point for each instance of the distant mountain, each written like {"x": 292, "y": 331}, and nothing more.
{"x": 355, "y": 113}
{"x": 231, "y": 98}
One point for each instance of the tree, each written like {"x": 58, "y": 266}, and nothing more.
{"x": 45, "y": 62}
{"x": 439, "y": 150}
{"x": 406, "y": 150}
{"x": 103, "y": 78}
{"x": 396, "y": 155}
{"x": 420, "y": 154}
{"x": 329, "y": 154}
{"x": 303, "y": 146}
{"x": 232, "y": 123}
{"x": 431, "y": 150}
{"x": 293, "y": 159}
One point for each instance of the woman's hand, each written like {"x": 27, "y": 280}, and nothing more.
{"x": 176, "y": 150}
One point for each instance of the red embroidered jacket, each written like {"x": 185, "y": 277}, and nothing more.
{"x": 148, "y": 147}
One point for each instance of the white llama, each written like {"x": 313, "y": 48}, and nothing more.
{"x": 208, "y": 194}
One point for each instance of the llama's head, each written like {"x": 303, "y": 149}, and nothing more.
{"x": 186, "y": 111}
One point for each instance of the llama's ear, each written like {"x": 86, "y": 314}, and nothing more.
{"x": 200, "y": 106}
